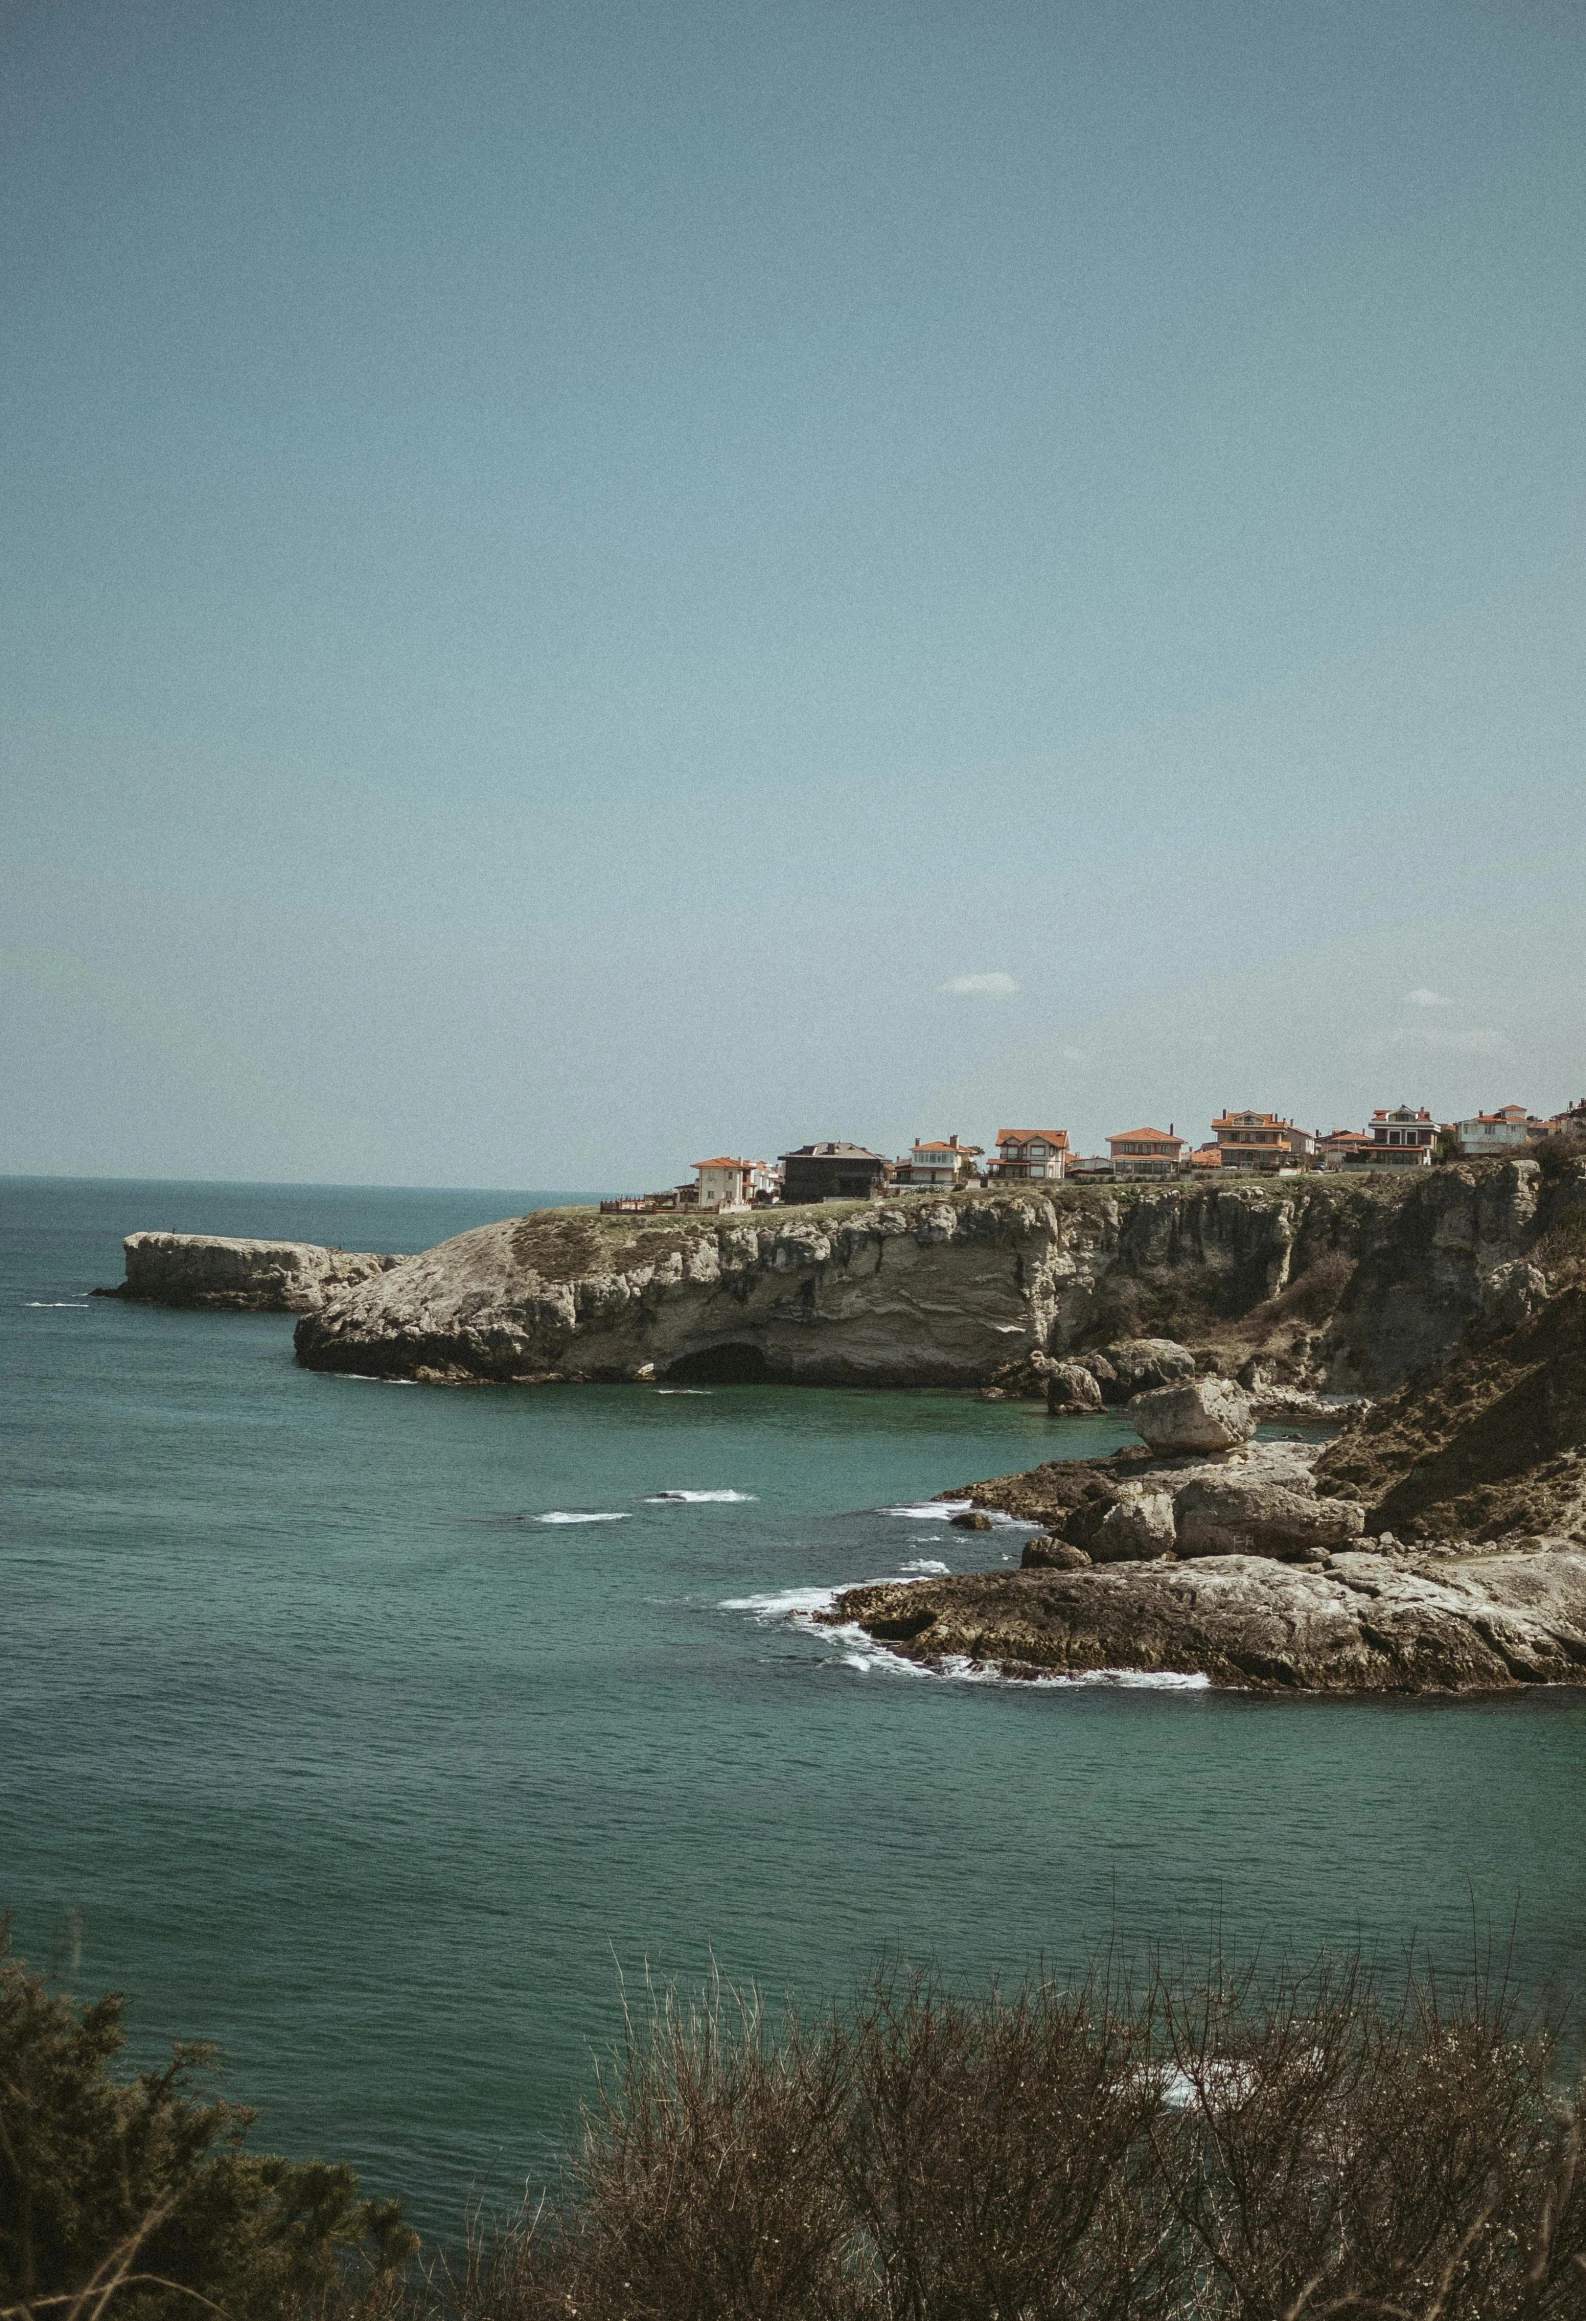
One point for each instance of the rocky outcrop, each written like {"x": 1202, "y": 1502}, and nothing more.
{"x": 259, "y": 1277}
{"x": 1488, "y": 1442}
{"x": 1204, "y": 1414}
{"x": 1329, "y": 1284}
{"x": 1364, "y": 1623}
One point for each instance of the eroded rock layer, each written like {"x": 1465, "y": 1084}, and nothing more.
{"x": 1366, "y": 1623}
{"x": 1325, "y": 1283}
{"x": 262, "y": 1277}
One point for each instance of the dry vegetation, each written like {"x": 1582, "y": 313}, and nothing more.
{"x": 1197, "y": 2148}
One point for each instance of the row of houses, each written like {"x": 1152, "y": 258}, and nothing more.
{"x": 1399, "y": 1136}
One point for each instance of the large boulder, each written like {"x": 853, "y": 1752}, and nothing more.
{"x": 1071, "y": 1390}
{"x": 1234, "y": 1514}
{"x": 1138, "y": 1364}
{"x": 1137, "y": 1528}
{"x": 1200, "y": 1414}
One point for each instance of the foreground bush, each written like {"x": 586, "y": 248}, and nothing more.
{"x": 137, "y": 2198}
{"x": 1195, "y": 2149}
{"x": 1178, "y": 2154}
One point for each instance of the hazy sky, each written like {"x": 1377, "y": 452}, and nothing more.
{"x": 568, "y": 571}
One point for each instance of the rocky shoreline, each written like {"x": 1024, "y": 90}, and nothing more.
{"x": 217, "y": 1273}
{"x": 1203, "y": 1552}
{"x": 1363, "y": 1623}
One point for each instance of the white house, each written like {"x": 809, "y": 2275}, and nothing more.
{"x": 937, "y": 1163}
{"x": 731, "y": 1184}
{"x": 1506, "y": 1130}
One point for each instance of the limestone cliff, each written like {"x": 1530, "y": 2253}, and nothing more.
{"x": 262, "y": 1277}
{"x": 1338, "y": 1285}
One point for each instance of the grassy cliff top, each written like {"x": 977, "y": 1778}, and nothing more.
{"x": 568, "y": 1244}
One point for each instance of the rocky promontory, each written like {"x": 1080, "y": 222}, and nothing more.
{"x": 1364, "y": 1622}
{"x": 216, "y": 1272}
{"x": 1438, "y": 1543}
{"x": 1311, "y": 1283}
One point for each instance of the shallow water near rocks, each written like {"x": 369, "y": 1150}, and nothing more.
{"x": 319, "y": 1739}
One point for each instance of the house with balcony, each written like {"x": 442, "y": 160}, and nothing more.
{"x": 1260, "y": 1140}
{"x": 1145, "y": 1152}
{"x": 937, "y": 1164}
{"x": 1508, "y": 1130}
{"x": 723, "y": 1183}
{"x": 1401, "y": 1138}
{"x": 1027, "y": 1154}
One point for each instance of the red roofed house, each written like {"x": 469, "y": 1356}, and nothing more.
{"x": 1342, "y": 1148}
{"x": 940, "y": 1164}
{"x": 1506, "y": 1130}
{"x": 730, "y": 1184}
{"x": 1145, "y": 1152}
{"x": 1400, "y": 1139}
{"x": 1260, "y": 1140}
{"x": 1026, "y": 1153}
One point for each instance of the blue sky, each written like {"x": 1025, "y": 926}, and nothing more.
{"x": 568, "y": 571}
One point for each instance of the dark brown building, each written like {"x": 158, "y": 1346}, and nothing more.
{"x": 831, "y": 1172}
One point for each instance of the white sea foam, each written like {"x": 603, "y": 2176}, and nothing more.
{"x": 939, "y": 1510}
{"x": 56, "y": 1305}
{"x": 699, "y": 1498}
{"x": 683, "y": 1390}
{"x": 860, "y": 1651}
{"x": 787, "y": 1604}
{"x": 926, "y": 1568}
{"x": 562, "y": 1515}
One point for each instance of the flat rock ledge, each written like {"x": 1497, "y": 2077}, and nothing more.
{"x": 215, "y": 1272}
{"x": 1487, "y": 1621}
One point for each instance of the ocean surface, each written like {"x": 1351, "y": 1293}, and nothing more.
{"x": 381, "y": 1733}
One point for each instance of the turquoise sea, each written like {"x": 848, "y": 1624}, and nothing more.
{"x": 319, "y": 1740}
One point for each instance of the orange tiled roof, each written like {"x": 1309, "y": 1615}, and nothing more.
{"x": 723, "y": 1161}
{"x": 1144, "y": 1136}
{"x": 1057, "y": 1136}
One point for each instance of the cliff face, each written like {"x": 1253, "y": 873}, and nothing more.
{"x": 260, "y": 1277}
{"x": 1341, "y": 1285}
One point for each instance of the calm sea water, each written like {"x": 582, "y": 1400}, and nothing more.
{"x": 317, "y": 1740}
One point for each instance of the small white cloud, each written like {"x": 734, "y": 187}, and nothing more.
{"x": 996, "y": 986}
{"x": 1421, "y": 997}
{"x": 1075, "y": 1055}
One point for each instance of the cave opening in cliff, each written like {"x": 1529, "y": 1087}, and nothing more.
{"x": 734, "y": 1365}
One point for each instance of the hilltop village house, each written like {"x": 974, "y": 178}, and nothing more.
{"x": 1400, "y": 1139}
{"x": 831, "y": 1171}
{"x": 1145, "y": 1152}
{"x": 1508, "y": 1129}
{"x": 730, "y": 1184}
{"x": 1024, "y": 1154}
{"x": 1400, "y": 1136}
{"x": 1260, "y": 1140}
{"x": 939, "y": 1164}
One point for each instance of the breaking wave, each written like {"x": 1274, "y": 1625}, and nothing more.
{"x": 563, "y": 1515}
{"x": 859, "y": 1651}
{"x": 699, "y": 1498}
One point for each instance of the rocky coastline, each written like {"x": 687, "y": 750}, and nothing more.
{"x": 1312, "y": 1285}
{"x": 1277, "y": 1565}
{"x": 217, "y": 1273}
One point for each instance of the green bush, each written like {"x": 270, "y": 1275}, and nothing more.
{"x": 137, "y": 2189}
